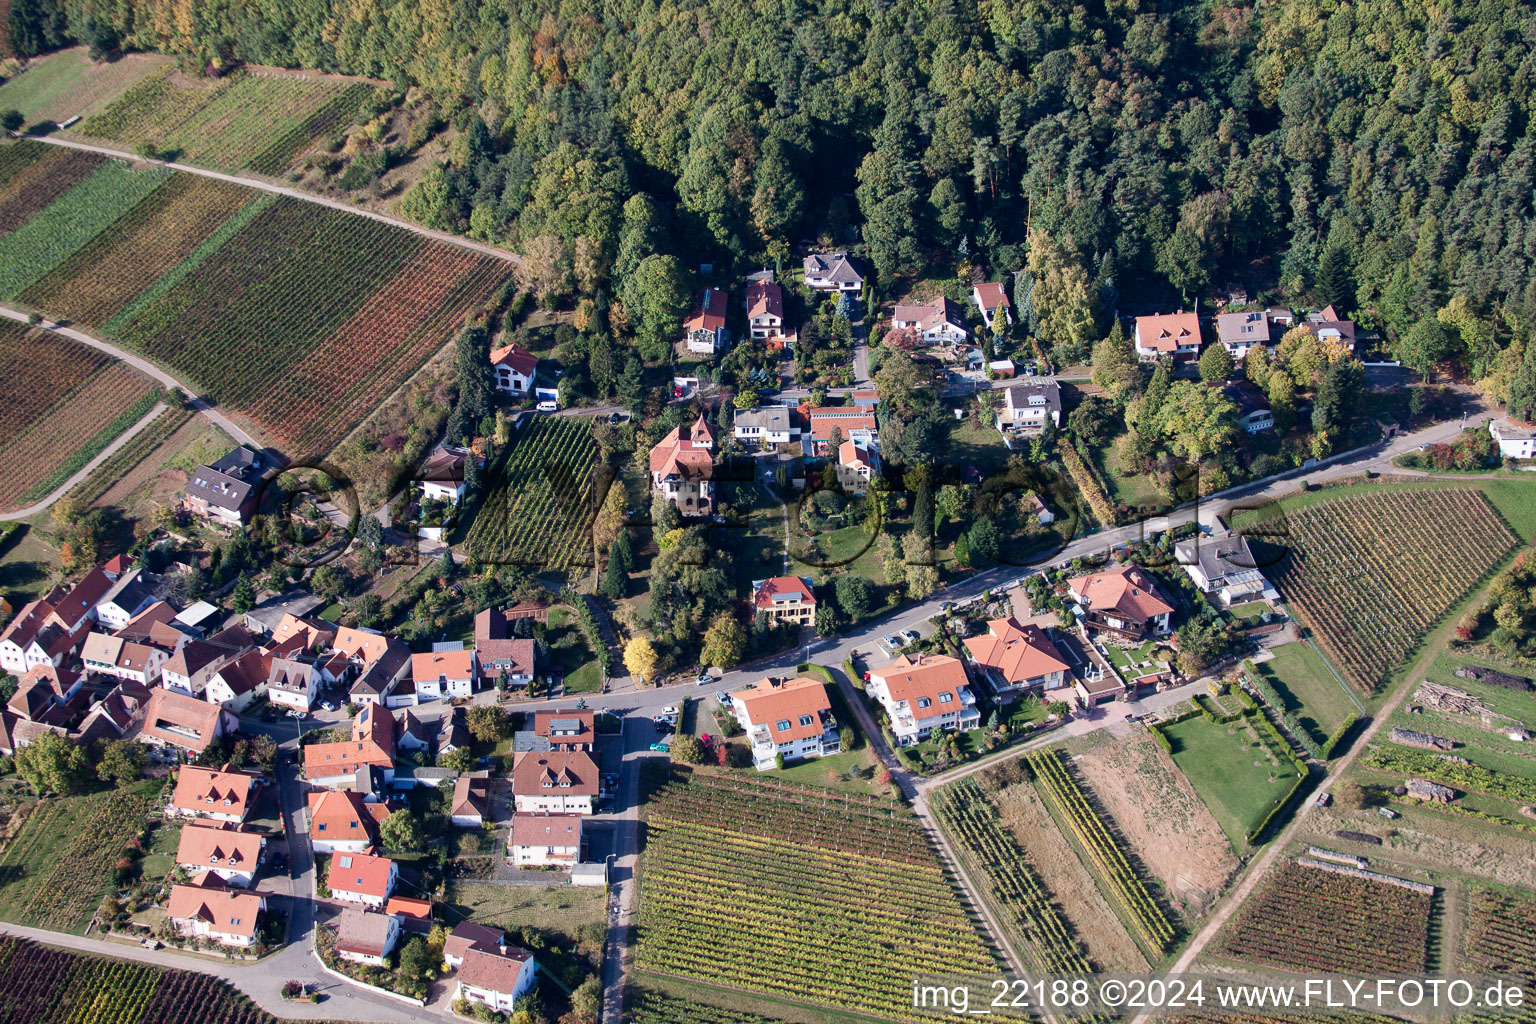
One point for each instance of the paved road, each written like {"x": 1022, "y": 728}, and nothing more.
{"x": 85, "y": 471}
{"x": 292, "y": 193}
{"x": 149, "y": 369}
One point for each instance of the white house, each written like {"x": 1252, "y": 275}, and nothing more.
{"x": 789, "y": 718}
{"x": 440, "y": 674}
{"x": 515, "y": 369}
{"x": 769, "y": 425}
{"x": 1222, "y": 566}
{"x": 938, "y": 322}
{"x": 1176, "y": 335}
{"x": 442, "y": 475}
{"x": 545, "y": 840}
{"x": 362, "y": 878}
{"x": 765, "y": 308}
{"x": 131, "y": 594}
{"x": 292, "y": 683}
{"x": 554, "y": 782}
{"x": 31, "y": 639}
{"x": 341, "y": 821}
{"x": 495, "y": 979}
{"x": 213, "y": 794}
{"x": 704, "y": 331}
{"x": 365, "y": 937}
{"x": 1124, "y": 601}
{"x": 107, "y": 655}
{"x": 471, "y": 802}
{"x": 992, "y": 301}
{"x": 189, "y": 669}
{"x": 1516, "y": 440}
{"x": 236, "y": 685}
{"x": 832, "y": 272}
{"x": 209, "y": 910}
{"x": 1029, "y": 406}
{"x": 924, "y": 697}
{"x": 233, "y": 856}
{"x": 1016, "y": 659}
{"x": 1239, "y": 332}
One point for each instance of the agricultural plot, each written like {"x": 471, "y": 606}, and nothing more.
{"x": 249, "y": 118}
{"x": 538, "y": 509}
{"x": 1316, "y": 920}
{"x": 1501, "y": 938}
{"x": 646, "y": 1007}
{"x": 1371, "y": 573}
{"x": 55, "y": 233}
{"x": 1236, "y": 775}
{"x": 34, "y": 174}
{"x": 54, "y": 873}
{"x": 1317, "y": 703}
{"x": 786, "y": 892}
{"x": 47, "y": 985}
{"x": 66, "y": 83}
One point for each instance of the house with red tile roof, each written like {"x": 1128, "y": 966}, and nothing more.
{"x": 468, "y": 935}
{"x": 207, "y": 909}
{"x": 545, "y": 840}
{"x": 174, "y": 721}
{"x": 924, "y": 697}
{"x": 498, "y": 651}
{"x": 850, "y": 421}
{"x": 786, "y": 718}
{"x": 371, "y": 746}
{"x": 765, "y": 309}
{"x": 1124, "y": 601}
{"x": 239, "y": 682}
{"x": 471, "y": 802}
{"x": 1016, "y": 659}
{"x": 704, "y": 329}
{"x": 555, "y": 781}
{"x": 992, "y": 301}
{"x": 341, "y": 821}
{"x": 939, "y": 322}
{"x": 367, "y": 937}
{"x": 515, "y": 369}
{"x": 1175, "y": 335}
{"x": 223, "y": 850}
{"x": 31, "y": 638}
{"x": 440, "y": 674}
{"x": 566, "y": 728}
{"x": 858, "y": 463}
{"x": 495, "y": 979}
{"x": 785, "y": 599}
{"x": 189, "y": 670}
{"x": 362, "y": 878}
{"x": 682, "y": 466}
{"x": 76, "y": 609}
{"x": 313, "y": 635}
{"x": 211, "y": 793}
{"x": 415, "y": 915}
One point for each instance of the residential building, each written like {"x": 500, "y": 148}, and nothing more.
{"x": 498, "y": 651}
{"x": 790, "y": 719}
{"x": 31, "y": 639}
{"x": 939, "y": 322}
{"x": 1223, "y": 567}
{"x": 74, "y": 610}
{"x": 1175, "y": 335}
{"x": 381, "y": 680}
{"x": 468, "y": 935}
{"x": 992, "y": 300}
{"x": 1018, "y": 659}
{"x": 292, "y": 683}
{"x": 704, "y": 330}
{"x": 214, "y": 794}
{"x": 237, "y": 684}
{"x": 765, "y": 309}
{"x": 207, "y": 909}
{"x": 924, "y": 697}
{"x": 566, "y": 728}
{"x": 227, "y": 491}
{"x": 452, "y": 732}
{"x": 411, "y": 735}
{"x": 105, "y": 655}
{"x": 1029, "y": 406}
{"x": 415, "y": 915}
{"x": 545, "y": 840}
{"x": 495, "y": 979}
{"x": 682, "y": 466}
{"x": 515, "y": 369}
{"x": 769, "y": 425}
{"x": 1328, "y": 325}
{"x": 858, "y": 463}
{"x": 471, "y": 802}
{"x": 440, "y": 674}
{"x": 1239, "y": 332}
{"x": 1280, "y": 316}
{"x": 832, "y": 272}
{"x": 174, "y": 721}
{"x": 232, "y": 855}
{"x": 367, "y": 937}
{"x": 785, "y": 599}
{"x": 442, "y": 475}
{"x": 362, "y": 878}
{"x": 1253, "y": 412}
{"x": 341, "y": 821}
{"x": 1123, "y": 601}
{"x": 1516, "y": 440}
{"x": 190, "y": 669}
{"x": 865, "y": 399}
{"x": 557, "y": 782}
{"x": 133, "y": 592}
{"x": 850, "y": 420}
{"x": 372, "y": 745}
{"x": 300, "y": 634}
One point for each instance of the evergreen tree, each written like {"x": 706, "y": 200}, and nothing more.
{"x": 1215, "y": 364}
{"x": 244, "y": 597}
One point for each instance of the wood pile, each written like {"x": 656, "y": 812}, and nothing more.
{"x": 1358, "y": 837}
{"x": 1432, "y": 792}
{"x": 1422, "y": 740}
{"x": 1503, "y": 680}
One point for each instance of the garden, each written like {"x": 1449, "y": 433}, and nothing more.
{"x": 1308, "y": 919}
{"x": 1316, "y": 701}
{"x": 1240, "y": 777}
{"x": 787, "y": 891}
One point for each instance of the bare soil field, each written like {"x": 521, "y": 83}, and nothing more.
{"x": 1161, "y": 819}
{"x": 1077, "y": 896}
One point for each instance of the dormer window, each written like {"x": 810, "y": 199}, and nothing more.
{"x": 923, "y": 702}
{"x": 805, "y": 719}
{"x": 782, "y": 725}
{"x": 946, "y": 697}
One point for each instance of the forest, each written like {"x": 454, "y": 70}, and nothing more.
{"x": 1124, "y": 156}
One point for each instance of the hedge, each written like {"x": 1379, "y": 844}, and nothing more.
{"x": 1339, "y": 736}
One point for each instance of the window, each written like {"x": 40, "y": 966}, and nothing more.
{"x": 946, "y": 697}
{"x": 923, "y": 702}
{"x": 782, "y": 725}
{"x": 805, "y": 719}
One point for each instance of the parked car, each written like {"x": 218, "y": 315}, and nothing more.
{"x": 661, "y": 748}
{"x": 723, "y": 697}
{"x": 670, "y": 711}
{"x": 890, "y": 643}
{"x": 947, "y": 606}
{"x": 1323, "y": 800}
{"x": 704, "y": 680}
{"x": 909, "y": 636}
{"x": 327, "y": 705}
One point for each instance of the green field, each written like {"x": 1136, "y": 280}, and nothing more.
{"x": 1514, "y": 496}
{"x": 1230, "y": 770}
{"x": 561, "y": 907}
{"x": 63, "y": 84}
{"x": 1308, "y": 689}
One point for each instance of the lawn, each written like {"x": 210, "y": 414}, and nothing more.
{"x": 561, "y": 907}
{"x": 26, "y": 565}
{"x": 1135, "y": 490}
{"x": 854, "y": 770}
{"x": 1252, "y": 611}
{"x": 1231, "y": 773}
{"x": 981, "y": 447}
{"x": 160, "y": 861}
{"x": 1130, "y": 659}
{"x": 1309, "y": 689}
{"x": 573, "y": 656}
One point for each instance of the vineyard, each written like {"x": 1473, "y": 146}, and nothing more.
{"x": 301, "y": 316}
{"x": 44, "y": 985}
{"x": 755, "y": 899}
{"x": 1501, "y": 938}
{"x": 1370, "y": 574}
{"x": 53, "y": 874}
{"x": 537, "y": 510}
{"x": 1042, "y": 937}
{"x": 1317, "y": 920}
{"x": 1466, "y": 777}
{"x": 648, "y": 1007}
{"x": 1109, "y": 860}
{"x": 48, "y": 432}
{"x": 68, "y": 82}
{"x": 116, "y": 467}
